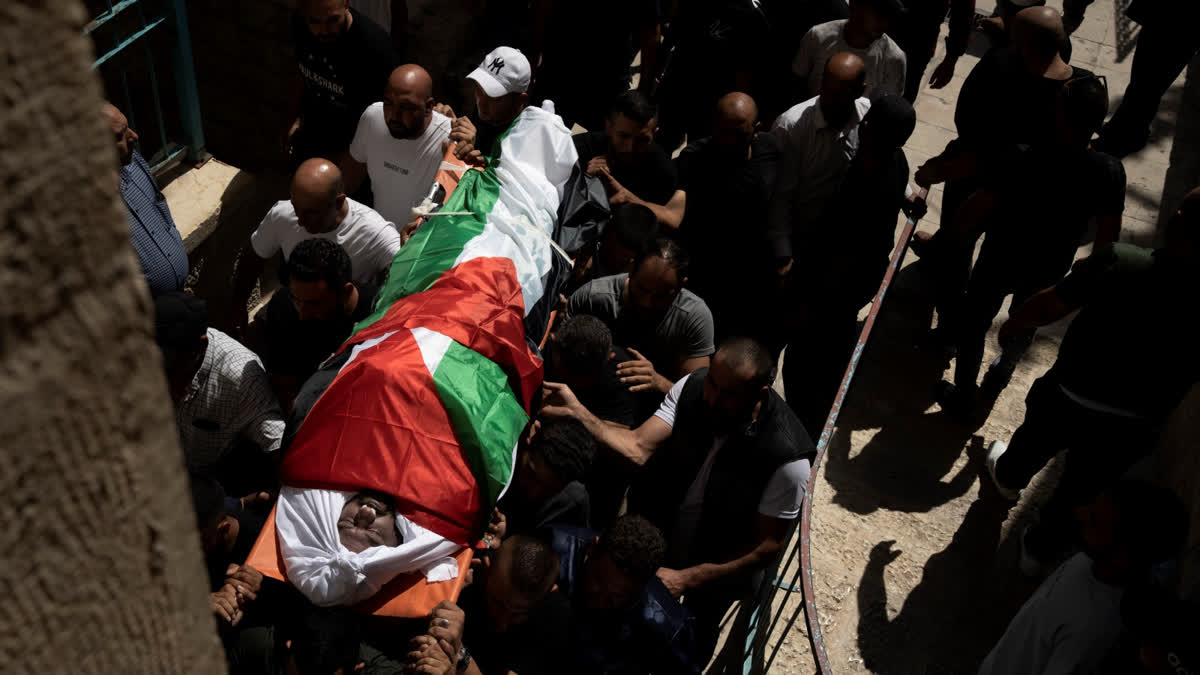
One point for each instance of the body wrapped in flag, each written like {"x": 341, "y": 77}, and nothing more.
{"x": 427, "y": 399}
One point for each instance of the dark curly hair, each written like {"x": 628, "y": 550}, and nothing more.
{"x": 583, "y": 344}
{"x": 566, "y": 446}
{"x": 320, "y": 260}
{"x": 635, "y": 546}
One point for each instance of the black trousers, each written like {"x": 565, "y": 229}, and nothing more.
{"x": 1100, "y": 449}
{"x": 949, "y": 261}
{"x": 1162, "y": 53}
{"x": 917, "y": 36}
{"x": 993, "y": 278}
{"x": 816, "y": 358}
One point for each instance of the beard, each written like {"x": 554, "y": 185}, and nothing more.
{"x": 403, "y": 133}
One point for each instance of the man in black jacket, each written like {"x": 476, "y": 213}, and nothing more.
{"x": 723, "y": 456}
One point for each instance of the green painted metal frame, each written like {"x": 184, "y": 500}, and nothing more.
{"x": 191, "y": 144}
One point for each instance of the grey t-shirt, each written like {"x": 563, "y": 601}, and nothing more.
{"x": 1066, "y": 627}
{"x": 684, "y": 332}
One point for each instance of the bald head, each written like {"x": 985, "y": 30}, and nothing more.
{"x": 1038, "y": 34}
{"x": 411, "y": 78}
{"x": 408, "y": 102}
{"x": 123, "y": 136}
{"x": 843, "y": 82}
{"x": 845, "y": 68}
{"x": 734, "y": 125}
{"x": 738, "y": 108}
{"x": 319, "y": 195}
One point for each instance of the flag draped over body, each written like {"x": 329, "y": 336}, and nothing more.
{"x": 427, "y": 399}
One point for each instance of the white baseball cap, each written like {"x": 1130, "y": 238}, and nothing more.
{"x": 504, "y": 71}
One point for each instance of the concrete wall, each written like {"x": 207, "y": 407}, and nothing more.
{"x": 1178, "y": 467}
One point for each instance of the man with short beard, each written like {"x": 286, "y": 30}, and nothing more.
{"x": 724, "y": 464}
{"x": 342, "y": 62}
{"x": 398, "y": 144}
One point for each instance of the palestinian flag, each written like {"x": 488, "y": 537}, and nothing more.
{"x": 426, "y": 401}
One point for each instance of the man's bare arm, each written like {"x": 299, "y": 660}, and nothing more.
{"x": 768, "y": 543}
{"x": 636, "y": 445}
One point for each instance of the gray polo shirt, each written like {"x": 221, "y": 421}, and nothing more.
{"x": 685, "y": 331}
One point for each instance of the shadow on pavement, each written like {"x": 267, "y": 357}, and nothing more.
{"x": 951, "y": 619}
{"x": 904, "y": 466}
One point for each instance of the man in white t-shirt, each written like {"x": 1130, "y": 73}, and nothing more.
{"x": 318, "y": 208}
{"x": 724, "y": 465}
{"x": 1073, "y": 619}
{"x": 398, "y": 144}
{"x": 863, "y": 34}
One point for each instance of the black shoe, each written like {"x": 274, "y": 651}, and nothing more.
{"x": 995, "y": 380}
{"x": 1119, "y": 146}
{"x": 1072, "y": 20}
{"x": 958, "y": 403}
{"x": 941, "y": 343}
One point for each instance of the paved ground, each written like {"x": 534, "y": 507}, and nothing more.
{"x": 913, "y": 555}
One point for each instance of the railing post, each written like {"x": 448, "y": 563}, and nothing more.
{"x": 185, "y": 82}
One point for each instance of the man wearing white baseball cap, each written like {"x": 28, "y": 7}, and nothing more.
{"x": 501, "y": 86}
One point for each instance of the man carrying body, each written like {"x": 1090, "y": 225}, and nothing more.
{"x": 318, "y": 208}
{"x": 343, "y": 60}
{"x": 728, "y": 180}
{"x": 864, "y": 35}
{"x": 650, "y": 310}
{"x": 820, "y": 137}
{"x": 152, "y": 231}
{"x": 1035, "y": 209}
{"x": 634, "y": 168}
{"x": 224, "y": 405}
{"x": 546, "y": 486}
{"x": 631, "y": 229}
{"x": 624, "y": 620}
{"x": 1125, "y": 363}
{"x": 510, "y": 620}
{"x": 724, "y": 467}
{"x": 312, "y": 314}
{"x": 398, "y": 145}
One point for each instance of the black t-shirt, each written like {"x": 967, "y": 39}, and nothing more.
{"x": 1001, "y": 104}
{"x": 1045, "y": 199}
{"x": 719, "y": 39}
{"x": 570, "y": 506}
{"x": 651, "y": 176}
{"x": 296, "y": 347}
{"x": 341, "y": 79}
{"x": 592, "y": 42}
{"x": 535, "y": 647}
{"x": 724, "y": 226}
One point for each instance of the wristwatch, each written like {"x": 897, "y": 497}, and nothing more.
{"x": 464, "y": 659}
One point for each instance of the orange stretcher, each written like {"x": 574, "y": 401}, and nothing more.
{"x": 407, "y": 596}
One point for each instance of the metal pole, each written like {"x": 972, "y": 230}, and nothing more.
{"x": 185, "y": 82}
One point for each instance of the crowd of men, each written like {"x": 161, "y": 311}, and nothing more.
{"x": 662, "y": 473}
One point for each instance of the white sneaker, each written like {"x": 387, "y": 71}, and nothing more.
{"x": 995, "y": 450}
